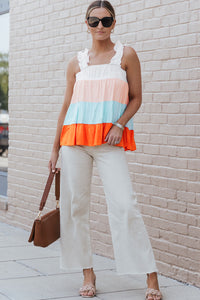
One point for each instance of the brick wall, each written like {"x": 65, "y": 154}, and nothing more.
{"x": 164, "y": 168}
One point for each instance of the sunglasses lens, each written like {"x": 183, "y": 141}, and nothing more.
{"x": 107, "y": 21}
{"x": 93, "y": 21}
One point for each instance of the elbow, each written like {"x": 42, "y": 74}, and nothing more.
{"x": 137, "y": 101}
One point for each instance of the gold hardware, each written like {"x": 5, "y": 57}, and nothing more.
{"x": 38, "y": 216}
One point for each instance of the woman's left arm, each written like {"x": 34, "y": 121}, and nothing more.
{"x": 133, "y": 71}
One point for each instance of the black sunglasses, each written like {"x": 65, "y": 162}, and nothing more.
{"x": 94, "y": 21}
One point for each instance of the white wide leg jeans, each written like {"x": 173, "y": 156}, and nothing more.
{"x": 132, "y": 248}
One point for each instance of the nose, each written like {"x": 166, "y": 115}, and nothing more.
{"x": 100, "y": 25}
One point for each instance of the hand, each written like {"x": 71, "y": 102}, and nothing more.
{"x": 114, "y": 135}
{"x": 53, "y": 160}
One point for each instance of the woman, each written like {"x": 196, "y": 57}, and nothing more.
{"x": 96, "y": 123}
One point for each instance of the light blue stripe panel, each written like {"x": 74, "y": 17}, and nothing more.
{"x": 95, "y": 113}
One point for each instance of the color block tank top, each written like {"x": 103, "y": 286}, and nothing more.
{"x": 100, "y": 96}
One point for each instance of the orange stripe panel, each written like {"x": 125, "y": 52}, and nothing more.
{"x": 93, "y": 135}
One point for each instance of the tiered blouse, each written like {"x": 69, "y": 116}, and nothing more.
{"x": 100, "y": 96}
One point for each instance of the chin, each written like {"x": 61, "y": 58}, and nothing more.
{"x": 101, "y": 37}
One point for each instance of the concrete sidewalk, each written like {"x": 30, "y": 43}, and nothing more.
{"x": 32, "y": 273}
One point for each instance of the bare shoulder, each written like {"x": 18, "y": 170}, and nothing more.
{"x": 73, "y": 66}
{"x": 130, "y": 57}
{"x": 129, "y": 52}
{"x": 73, "y": 63}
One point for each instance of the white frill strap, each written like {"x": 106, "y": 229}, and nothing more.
{"x": 83, "y": 58}
{"x": 116, "y": 59}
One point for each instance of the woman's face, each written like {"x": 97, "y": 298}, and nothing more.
{"x": 100, "y": 32}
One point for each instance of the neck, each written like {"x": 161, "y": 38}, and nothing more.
{"x": 101, "y": 46}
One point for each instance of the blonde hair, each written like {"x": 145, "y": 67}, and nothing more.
{"x": 97, "y": 4}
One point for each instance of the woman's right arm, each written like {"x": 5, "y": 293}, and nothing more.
{"x": 72, "y": 69}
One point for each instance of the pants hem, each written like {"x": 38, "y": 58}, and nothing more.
{"x": 135, "y": 273}
{"x": 78, "y": 269}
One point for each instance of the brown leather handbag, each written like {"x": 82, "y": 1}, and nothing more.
{"x": 46, "y": 228}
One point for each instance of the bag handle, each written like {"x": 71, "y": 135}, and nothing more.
{"x": 57, "y": 184}
{"x": 47, "y": 189}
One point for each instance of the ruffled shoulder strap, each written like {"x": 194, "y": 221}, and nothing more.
{"x": 116, "y": 59}
{"x": 83, "y": 58}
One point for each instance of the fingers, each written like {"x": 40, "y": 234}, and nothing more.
{"x": 114, "y": 136}
{"x": 51, "y": 166}
{"x": 113, "y": 140}
{"x": 53, "y": 160}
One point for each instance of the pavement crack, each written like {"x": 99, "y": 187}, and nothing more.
{"x": 29, "y": 267}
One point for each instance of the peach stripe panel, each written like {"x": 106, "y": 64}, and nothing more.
{"x": 110, "y": 89}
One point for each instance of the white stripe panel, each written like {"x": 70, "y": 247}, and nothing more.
{"x": 103, "y": 71}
